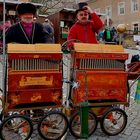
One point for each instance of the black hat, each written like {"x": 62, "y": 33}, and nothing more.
{"x": 26, "y": 8}
{"x": 81, "y": 6}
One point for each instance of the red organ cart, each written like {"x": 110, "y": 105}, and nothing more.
{"x": 100, "y": 82}
{"x": 34, "y": 92}
{"x": 104, "y": 66}
{"x": 34, "y": 76}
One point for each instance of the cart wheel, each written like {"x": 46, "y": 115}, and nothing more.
{"x": 16, "y": 127}
{"x": 53, "y": 126}
{"x": 0, "y": 104}
{"x": 75, "y": 125}
{"x": 113, "y": 121}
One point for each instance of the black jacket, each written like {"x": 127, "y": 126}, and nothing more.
{"x": 17, "y": 34}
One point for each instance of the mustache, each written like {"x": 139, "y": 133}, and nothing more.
{"x": 84, "y": 18}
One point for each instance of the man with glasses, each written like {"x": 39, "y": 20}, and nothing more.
{"x": 87, "y": 25}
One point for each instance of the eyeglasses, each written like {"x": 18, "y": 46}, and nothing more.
{"x": 83, "y": 14}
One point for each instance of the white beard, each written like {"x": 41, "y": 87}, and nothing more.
{"x": 27, "y": 20}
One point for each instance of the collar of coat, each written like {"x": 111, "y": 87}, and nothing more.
{"x": 29, "y": 39}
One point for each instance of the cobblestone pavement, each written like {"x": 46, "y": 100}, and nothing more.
{"x": 131, "y": 132}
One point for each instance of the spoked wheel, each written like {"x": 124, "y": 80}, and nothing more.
{"x": 75, "y": 124}
{"x": 0, "y": 104}
{"x": 16, "y": 127}
{"x": 53, "y": 126}
{"x": 113, "y": 121}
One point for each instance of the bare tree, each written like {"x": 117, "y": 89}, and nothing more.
{"x": 52, "y": 6}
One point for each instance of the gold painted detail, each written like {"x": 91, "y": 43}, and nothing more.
{"x": 106, "y": 80}
{"x": 36, "y": 98}
{"x": 28, "y": 81}
{"x": 36, "y": 56}
{"x": 15, "y": 99}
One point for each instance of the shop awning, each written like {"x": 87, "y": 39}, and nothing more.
{"x": 18, "y": 2}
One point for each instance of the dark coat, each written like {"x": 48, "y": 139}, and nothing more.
{"x": 48, "y": 28}
{"x": 17, "y": 34}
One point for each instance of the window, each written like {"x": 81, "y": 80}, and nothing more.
{"x": 121, "y": 8}
{"x": 109, "y": 11}
{"x": 136, "y": 28}
{"x": 134, "y": 5}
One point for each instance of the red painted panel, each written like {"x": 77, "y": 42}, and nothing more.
{"x": 101, "y": 85}
{"x": 28, "y": 89}
{"x": 37, "y": 80}
{"x": 51, "y": 56}
{"x": 33, "y": 98}
{"x": 118, "y": 56}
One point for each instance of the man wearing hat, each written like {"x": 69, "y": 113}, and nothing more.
{"x": 84, "y": 29}
{"x": 26, "y": 31}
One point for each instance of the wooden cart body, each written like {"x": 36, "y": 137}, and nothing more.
{"x": 100, "y": 72}
{"x": 34, "y": 76}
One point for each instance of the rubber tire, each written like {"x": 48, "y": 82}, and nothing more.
{"x": 16, "y": 116}
{"x": 104, "y": 117}
{"x": 50, "y": 113}
{"x": 71, "y": 121}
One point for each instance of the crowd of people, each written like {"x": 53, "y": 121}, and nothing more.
{"x": 108, "y": 35}
{"x": 88, "y": 27}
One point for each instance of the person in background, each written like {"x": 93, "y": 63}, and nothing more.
{"x": 5, "y": 25}
{"x": 87, "y": 26}
{"x": 138, "y": 45}
{"x": 101, "y": 36}
{"x": 115, "y": 35}
{"x": 113, "y": 30}
{"x": 108, "y": 36}
{"x": 48, "y": 27}
{"x": 26, "y": 31}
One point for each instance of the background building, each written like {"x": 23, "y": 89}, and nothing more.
{"x": 119, "y": 12}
